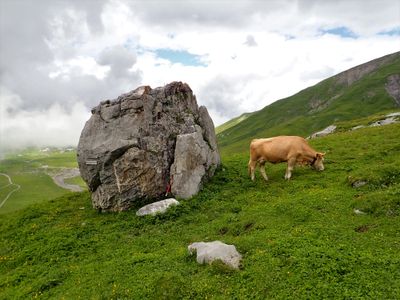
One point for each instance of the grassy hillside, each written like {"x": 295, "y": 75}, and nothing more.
{"x": 30, "y": 170}
{"x": 316, "y": 107}
{"x": 232, "y": 123}
{"x": 299, "y": 239}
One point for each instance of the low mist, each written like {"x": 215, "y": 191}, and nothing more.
{"x": 55, "y": 126}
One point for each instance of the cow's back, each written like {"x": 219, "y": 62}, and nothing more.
{"x": 277, "y": 149}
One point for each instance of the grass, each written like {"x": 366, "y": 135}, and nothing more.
{"x": 76, "y": 181}
{"x": 231, "y": 123}
{"x": 26, "y": 168}
{"x": 299, "y": 239}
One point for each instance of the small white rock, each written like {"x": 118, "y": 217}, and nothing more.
{"x": 211, "y": 251}
{"x": 386, "y": 121}
{"x": 157, "y": 207}
{"x": 359, "y": 212}
{"x": 359, "y": 183}
{"x": 328, "y": 130}
{"x": 395, "y": 114}
{"x": 358, "y": 127}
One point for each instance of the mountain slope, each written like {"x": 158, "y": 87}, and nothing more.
{"x": 357, "y": 92}
{"x": 232, "y": 122}
{"x": 316, "y": 236}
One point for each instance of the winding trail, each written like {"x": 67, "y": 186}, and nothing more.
{"x": 66, "y": 173}
{"x": 17, "y": 187}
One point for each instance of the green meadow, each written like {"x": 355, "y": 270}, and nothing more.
{"x": 313, "y": 237}
{"x": 30, "y": 170}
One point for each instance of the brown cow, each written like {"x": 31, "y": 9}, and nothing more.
{"x": 291, "y": 149}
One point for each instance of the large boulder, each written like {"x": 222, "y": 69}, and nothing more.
{"x": 145, "y": 144}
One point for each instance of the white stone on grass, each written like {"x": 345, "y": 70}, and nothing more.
{"x": 328, "y": 130}
{"x": 157, "y": 207}
{"x": 207, "y": 252}
{"x": 395, "y": 114}
{"x": 358, "y": 127}
{"x": 386, "y": 121}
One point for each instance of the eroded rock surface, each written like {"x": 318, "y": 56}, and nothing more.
{"x": 354, "y": 74}
{"x": 145, "y": 141}
{"x": 393, "y": 88}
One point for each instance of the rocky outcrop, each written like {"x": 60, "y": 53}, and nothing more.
{"x": 385, "y": 120}
{"x": 146, "y": 143}
{"x": 354, "y": 74}
{"x": 392, "y": 86}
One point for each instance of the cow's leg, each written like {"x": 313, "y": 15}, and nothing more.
{"x": 252, "y": 167}
{"x": 290, "y": 166}
{"x": 262, "y": 170}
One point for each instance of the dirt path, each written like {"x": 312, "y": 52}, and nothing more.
{"x": 63, "y": 174}
{"x": 17, "y": 187}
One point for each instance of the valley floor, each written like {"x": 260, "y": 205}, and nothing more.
{"x": 32, "y": 176}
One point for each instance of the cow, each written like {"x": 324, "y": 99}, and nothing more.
{"x": 291, "y": 149}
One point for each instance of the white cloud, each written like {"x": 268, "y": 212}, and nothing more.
{"x": 252, "y": 53}
{"x": 81, "y": 65}
{"x": 239, "y": 78}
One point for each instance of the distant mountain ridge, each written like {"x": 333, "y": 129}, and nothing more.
{"x": 356, "y": 73}
{"x": 358, "y": 92}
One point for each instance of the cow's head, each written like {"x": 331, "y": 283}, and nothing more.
{"x": 318, "y": 162}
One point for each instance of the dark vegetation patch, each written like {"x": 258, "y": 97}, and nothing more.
{"x": 363, "y": 228}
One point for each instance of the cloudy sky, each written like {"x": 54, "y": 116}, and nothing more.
{"x": 60, "y": 58}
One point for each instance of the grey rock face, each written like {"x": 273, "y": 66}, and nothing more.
{"x": 354, "y": 74}
{"x": 135, "y": 146}
{"x": 393, "y": 87}
{"x": 192, "y": 162}
{"x": 211, "y": 251}
{"x": 157, "y": 207}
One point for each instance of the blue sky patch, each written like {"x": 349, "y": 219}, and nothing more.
{"x": 340, "y": 31}
{"x": 393, "y": 32}
{"x": 180, "y": 56}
